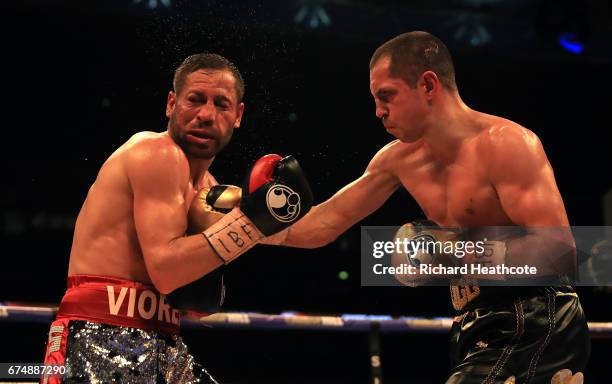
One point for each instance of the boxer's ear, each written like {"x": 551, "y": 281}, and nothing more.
{"x": 430, "y": 84}
{"x": 170, "y": 103}
{"x": 239, "y": 115}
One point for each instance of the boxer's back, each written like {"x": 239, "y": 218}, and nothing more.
{"x": 105, "y": 240}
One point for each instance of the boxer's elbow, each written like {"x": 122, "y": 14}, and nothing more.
{"x": 165, "y": 290}
{"x": 163, "y": 282}
{"x": 160, "y": 268}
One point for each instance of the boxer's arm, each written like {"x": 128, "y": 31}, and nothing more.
{"x": 158, "y": 176}
{"x": 525, "y": 183}
{"x": 326, "y": 221}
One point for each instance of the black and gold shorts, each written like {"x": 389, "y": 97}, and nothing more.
{"x": 530, "y": 336}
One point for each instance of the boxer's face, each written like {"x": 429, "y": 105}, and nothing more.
{"x": 205, "y": 113}
{"x": 400, "y": 107}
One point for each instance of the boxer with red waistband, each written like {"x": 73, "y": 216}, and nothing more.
{"x": 119, "y": 302}
{"x": 156, "y": 221}
{"x": 100, "y": 313}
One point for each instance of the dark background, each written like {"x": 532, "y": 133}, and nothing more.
{"x": 81, "y": 78}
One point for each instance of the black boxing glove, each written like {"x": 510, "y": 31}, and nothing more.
{"x": 275, "y": 195}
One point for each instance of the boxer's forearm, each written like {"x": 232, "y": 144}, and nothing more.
{"x": 182, "y": 261}
{"x": 316, "y": 229}
{"x": 326, "y": 221}
{"x": 552, "y": 252}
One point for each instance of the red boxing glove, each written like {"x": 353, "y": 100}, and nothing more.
{"x": 262, "y": 171}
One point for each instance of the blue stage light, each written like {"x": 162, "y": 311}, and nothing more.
{"x": 569, "y": 42}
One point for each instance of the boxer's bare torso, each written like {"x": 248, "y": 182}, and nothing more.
{"x": 463, "y": 167}
{"x": 465, "y": 191}
{"x": 105, "y": 238}
{"x": 497, "y": 171}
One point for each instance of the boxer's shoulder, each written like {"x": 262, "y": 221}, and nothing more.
{"x": 398, "y": 157}
{"x": 154, "y": 142}
{"x": 504, "y": 138}
{"x": 509, "y": 148}
{"x": 153, "y": 146}
{"x": 500, "y": 134}
{"x": 154, "y": 154}
{"x": 393, "y": 152}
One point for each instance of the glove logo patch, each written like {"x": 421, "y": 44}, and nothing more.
{"x": 283, "y": 203}
{"x": 420, "y": 252}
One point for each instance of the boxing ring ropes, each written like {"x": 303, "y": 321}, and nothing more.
{"x": 257, "y": 321}
{"x": 373, "y": 324}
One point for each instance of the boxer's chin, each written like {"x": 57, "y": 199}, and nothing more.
{"x": 409, "y": 137}
{"x": 204, "y": 152}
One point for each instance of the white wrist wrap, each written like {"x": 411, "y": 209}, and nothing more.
{"x": 233, "y": 235}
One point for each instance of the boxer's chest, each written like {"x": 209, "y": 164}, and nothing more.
{"x": 459, "y": 194}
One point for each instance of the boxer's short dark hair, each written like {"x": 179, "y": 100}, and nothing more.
{"x": 207, "y": 61}
{"x": 413, "y": 53}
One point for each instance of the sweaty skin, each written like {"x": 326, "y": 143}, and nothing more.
{"x": 463, "y": 167}
{"x": 133, "y": 222}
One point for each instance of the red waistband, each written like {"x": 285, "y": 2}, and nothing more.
{"x": 117, "y": 301}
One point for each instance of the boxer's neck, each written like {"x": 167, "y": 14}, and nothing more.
{"x": 449, "y": 125}
{"x": 198, "y": 168}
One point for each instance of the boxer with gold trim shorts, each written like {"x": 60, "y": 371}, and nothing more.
{"x": 465, "y": 169}
{"x": 525, "y": 332}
